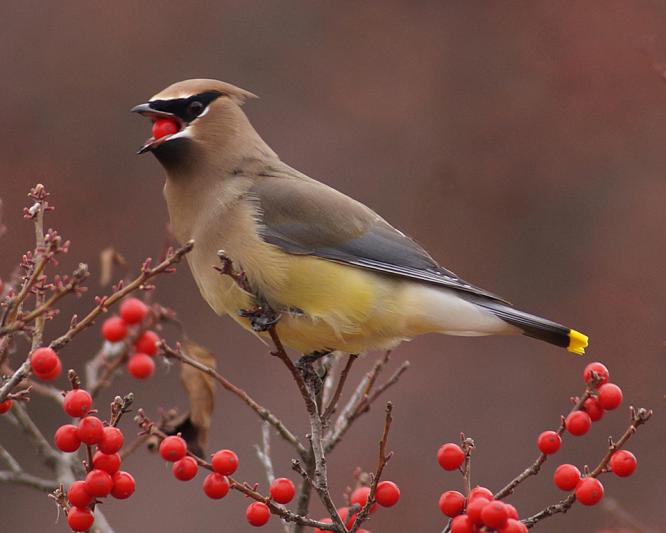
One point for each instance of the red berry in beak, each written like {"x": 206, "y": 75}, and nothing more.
{"x": 164, "y": 127}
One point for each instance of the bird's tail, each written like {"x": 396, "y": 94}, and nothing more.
{"x": 537, "y": 327}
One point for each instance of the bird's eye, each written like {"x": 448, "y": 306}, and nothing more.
{"x": 194, "y": 109}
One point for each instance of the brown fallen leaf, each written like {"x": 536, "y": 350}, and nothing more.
{"x": 201, "y": 392}
{"x": 107, "y": 259}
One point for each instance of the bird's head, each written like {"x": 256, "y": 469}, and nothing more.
{"x": 193, "y": 113}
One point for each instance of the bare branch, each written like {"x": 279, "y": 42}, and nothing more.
{"x": 263, "y": 413}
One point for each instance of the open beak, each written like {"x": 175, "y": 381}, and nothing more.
{"x": 153, "y": 115}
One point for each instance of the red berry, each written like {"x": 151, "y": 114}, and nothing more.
{"x": 566, "y": 477}
{"x": 593, "y": 408}
{"x": 578, "y": 423}
{"x": 147, "y": 343}
{"x": 98, "y": 483}
{"x": 589, "y": 491}
{"x": 610, "y": 396}
{"x": 513, "y": 512}
{"x": 480, "y": 491}
{"x": 80, "y": 519}
{"x": 475, "y": 508}
{"x": 463, "y": 524}
{"x": 387, "y": 493}
{"x": 163, "y": 127}
{"x": 185, "y": 469}
{"x": 599, "y": 369}
{"x": 123, "y": 485}
{"x": 360, "y": 496}
{"x": 114, "y": 329}
{"x": 78, "y": 495}
{"x": 495, "y": 515}
{"x": 623, "y": 463}
{"x": 282, "y": 490}
{"x": 451, "y": 503}
{"x": 53, "y": 375}
{"x": 257, "y": 514}
{"x": 67, "y": 439}
{"x": 513, "y": 525}
{"x": 324, "y": 521}
{"x": 450, "y": 456}
{"x": 43, "y": 361}
{"x": 77, "y": 403}
{"x": 141, "y": 366}
{"x": 109, "y": 462}
{"x": 173, "y": 448}
{"x": 91, "y": 430}
{"x": 549, "y": 442}
{"x": 225, "y": 462}
{"x": 133, "y": 311}
{"x": 112, "y": 440}
{"x": 216, "y": 486}
{"x": 5, "y": 406}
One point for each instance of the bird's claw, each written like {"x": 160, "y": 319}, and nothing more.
{"x": 262, "y": 318}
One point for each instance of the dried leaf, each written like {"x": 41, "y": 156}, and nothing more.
{"x": 201, "y": 390}
{"x": 107, "y": 259}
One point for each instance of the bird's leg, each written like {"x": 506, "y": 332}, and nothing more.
{"x": 307, "y": 369}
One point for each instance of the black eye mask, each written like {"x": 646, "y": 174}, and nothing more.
{"x": 186, "y": 109}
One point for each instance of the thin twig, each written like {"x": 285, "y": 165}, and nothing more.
{"x": 263, "y": 412}
{"x": 534, "y": 468}
{"x": 338, "y": 391}
{"x": 264, "y": 452}
{"x": 384, "y": 458}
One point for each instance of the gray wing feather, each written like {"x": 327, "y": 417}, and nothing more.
{"x": 305, "y": 217}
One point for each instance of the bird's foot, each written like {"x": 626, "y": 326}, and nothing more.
{"x": 261, "y": 317}
{"x": 310, "y": 358}
{"x": 308, "y": 370}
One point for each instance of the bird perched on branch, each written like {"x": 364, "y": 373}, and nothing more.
{"x": 335, "y": 273}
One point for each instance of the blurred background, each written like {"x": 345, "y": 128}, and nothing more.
{"x": 522, "y": 143}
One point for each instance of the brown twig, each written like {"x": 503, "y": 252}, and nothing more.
{"x": 361, "y": 400}
{"x": 535, "y": 467}
{"x": 384, "y": 458}
{"x": 139, "y": 282}
{"x": 638, "y": 418}
{"x": 261, "y": 411}
{"x": 467, "y": 445}
{"x": 338, "y": 390}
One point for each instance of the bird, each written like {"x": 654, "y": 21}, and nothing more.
{"x": 328, "y": 272}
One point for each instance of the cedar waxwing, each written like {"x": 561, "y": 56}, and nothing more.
{"x": 339, "y": 275}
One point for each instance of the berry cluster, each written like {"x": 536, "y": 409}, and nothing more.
{"x": 103, "y": 476}
{"x": 116, "y": 328}
{"x": 481, "y": 509}
{"x": 216, "y": 485}
{"x": 602, "y": 396}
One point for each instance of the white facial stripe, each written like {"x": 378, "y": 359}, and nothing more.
{"x": 182, "y": 134}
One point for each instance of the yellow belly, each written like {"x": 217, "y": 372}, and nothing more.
{"x": 324, "y": 305}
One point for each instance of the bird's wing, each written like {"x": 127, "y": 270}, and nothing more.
{"x": 305, "y": 217}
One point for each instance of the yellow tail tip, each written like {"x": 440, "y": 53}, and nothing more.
{"x": 577, "y": 342}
